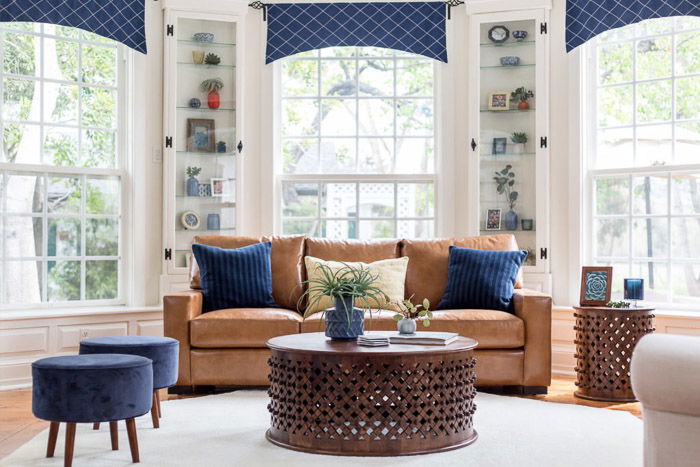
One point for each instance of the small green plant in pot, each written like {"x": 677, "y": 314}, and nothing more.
{"x": 522, "y": 95}
{"x": 346, "y": 287}
{"x": 505, "y": 180}
{"x": 409, "y": 313}
{"x": 519, "y": 140}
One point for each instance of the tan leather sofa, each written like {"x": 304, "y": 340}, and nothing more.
{"x": 227, "y": 347}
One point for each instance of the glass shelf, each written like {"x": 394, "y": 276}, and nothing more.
{"x": 510, "y": 154}
{"x": 507, "y": 111}
{"x": 507, "y": 44}
{"x": 205, "y": 109}
{"x": 182, "y": 229}
{"x": 493, "y": 67}
{"x": 213, "y": 198}
{"x": 491, "y": 232}
{"x": 223, "y": 154}
{"x": 205, "y": 65}
{"x": 206, "y": 44}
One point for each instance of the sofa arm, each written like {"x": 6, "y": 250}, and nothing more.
{"x": 666, "y": 373}
{"x": 178, "y": 310}
{"x": 535, "y": 309}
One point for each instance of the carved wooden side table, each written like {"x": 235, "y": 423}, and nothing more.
{"x": 340, "y": 398}
{"x": 605, "y": 340}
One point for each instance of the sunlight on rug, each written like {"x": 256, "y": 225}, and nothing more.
{"x": 229, "y": 430}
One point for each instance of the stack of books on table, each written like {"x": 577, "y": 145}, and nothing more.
{"x": 419, "y": 338}
{"x": 373, "y": 340}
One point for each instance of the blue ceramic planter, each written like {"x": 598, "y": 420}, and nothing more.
{"x": 192, "y": 187}
{"x": 337, "y": 325}
{"x": 511, "y": 220}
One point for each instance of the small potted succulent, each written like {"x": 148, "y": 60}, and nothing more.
{"x": 522, "y": 95}
{"x": 519, "y": 140}
{"x": 221, "y": 146}
{"x": 505, "y": 180}
{"x": 344, "y": 286}
{"x": 408, "y": 313}
{"x": 212, "y": 59}
{"x": 192, "y": 182}
{"x": 212, "y": 88}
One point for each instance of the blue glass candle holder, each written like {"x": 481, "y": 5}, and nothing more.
{"x": 634, "y": 290}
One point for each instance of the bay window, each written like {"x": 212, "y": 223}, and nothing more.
{"x": 356, "y": 156}
{"x": 644, "y": 157}
{"x": 61, "y": 166}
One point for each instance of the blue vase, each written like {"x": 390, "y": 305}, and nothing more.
{"x": 338, "y": 326}
{"x": 192, "y": 187}
{"x": 511, "y": 220}
{"x": 213, "y": 222}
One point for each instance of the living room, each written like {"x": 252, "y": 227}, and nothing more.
{"x": 425, "y": 233}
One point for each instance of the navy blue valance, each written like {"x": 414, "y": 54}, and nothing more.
{"x": 121, "y": 20}
{"x": 586, "y": 19}
{"x": 416, "y": 27}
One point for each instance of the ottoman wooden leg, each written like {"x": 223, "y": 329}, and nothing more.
{"x": 133, "y": 441}
{"x": 154, "y": 412}
{"x": 114, "y": 435}
{"x": 160, "y": 412}
{"x": 96, "y": 426}
{"x": 53, "y": 434}
{"x": 70, "y": 444}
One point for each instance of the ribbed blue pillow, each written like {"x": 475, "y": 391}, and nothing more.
{"x": 236, "y": 278}
{"x": 482, "y": 279}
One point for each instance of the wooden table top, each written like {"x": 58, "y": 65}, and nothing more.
{"x": 317, "y": 342}
{"x": 609, "y": 308}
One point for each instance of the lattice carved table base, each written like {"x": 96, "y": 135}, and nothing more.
{"x": 375, "y": 405}
{"x": 605, "y": 340}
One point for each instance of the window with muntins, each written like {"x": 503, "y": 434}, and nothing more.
{"x": 356, "y": 155}
{"x": 644, "y": 157}
{"x": 61, "y": 167}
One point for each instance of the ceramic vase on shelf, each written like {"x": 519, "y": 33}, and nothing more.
{"x": 523, "y": 105}
{"x": 197, "y": 57}
{"x": 406, "y": 326}
{"x": 511, "y": 220}
{"x": 213, "y": 222}
{"x": 517, "y": 148}
{"x": 214, "y": 100}
{"x": 192, "y": 187}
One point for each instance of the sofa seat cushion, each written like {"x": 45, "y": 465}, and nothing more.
{"x": 242, "y": 327}
{"x": 492, "y": 329}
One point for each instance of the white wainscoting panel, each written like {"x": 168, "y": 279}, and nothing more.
{"x": 27, "y": 338}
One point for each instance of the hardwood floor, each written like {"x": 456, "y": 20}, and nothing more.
{"x": 18, "y": 425}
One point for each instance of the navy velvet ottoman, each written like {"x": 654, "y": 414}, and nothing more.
{"x": 163, "y": 351}
{"x": 88, "y": 389}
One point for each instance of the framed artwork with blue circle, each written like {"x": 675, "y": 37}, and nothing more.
{"x": 596, "y": 285}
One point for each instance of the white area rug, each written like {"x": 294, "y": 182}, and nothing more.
{"x": 229, "y": 430}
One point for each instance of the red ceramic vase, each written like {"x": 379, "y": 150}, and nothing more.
{"x": 522, "y": 106}
{"x": 213, "y": 100}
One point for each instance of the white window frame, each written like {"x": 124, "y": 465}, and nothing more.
{"x": 280, "y": 178}
{"x": 120, "y": 172}
{"x": 589, "y": 88}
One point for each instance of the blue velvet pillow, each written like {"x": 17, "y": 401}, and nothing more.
{"x": 237, "y": 278}
{"x": 482, "y": 279}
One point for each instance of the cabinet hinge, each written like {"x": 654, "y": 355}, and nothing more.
{"x": 473, "y": 145}
{"x": 543, "y": 142}
{"x": 170, "y": 30}
{"x": 168, "y": 141}
{"x": 168, "y": 254}
{"x": 543, "y": 28}
{"x": 240, "y": 147}
{"x": 543, "y": 253}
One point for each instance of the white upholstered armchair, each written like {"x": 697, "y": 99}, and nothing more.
{"x": 666, "y": 380}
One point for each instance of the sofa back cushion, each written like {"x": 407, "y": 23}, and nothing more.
{"x": 426, "y": 276}
{"x": 286, "y": 262}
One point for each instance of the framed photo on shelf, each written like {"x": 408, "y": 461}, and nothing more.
{"x": 220, "y": 187}
{"x": 596, "y": 284}
{"x": 493, "y": 219}
{"x": 499, "y": 146}
{"x": 201, "y": 135}
{"x": 499, "y": 100}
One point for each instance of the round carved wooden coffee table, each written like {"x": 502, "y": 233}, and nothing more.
{"x": 332, "y": 397}
{"x": 605, "y": 340}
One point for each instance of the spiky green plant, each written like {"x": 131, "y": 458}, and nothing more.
{"x": 212, "y": 59}
{"x": 211, "y": 85}
{"x": 348, "y": 281}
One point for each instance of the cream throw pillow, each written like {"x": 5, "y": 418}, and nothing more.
{"x": 392, "y": 277}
